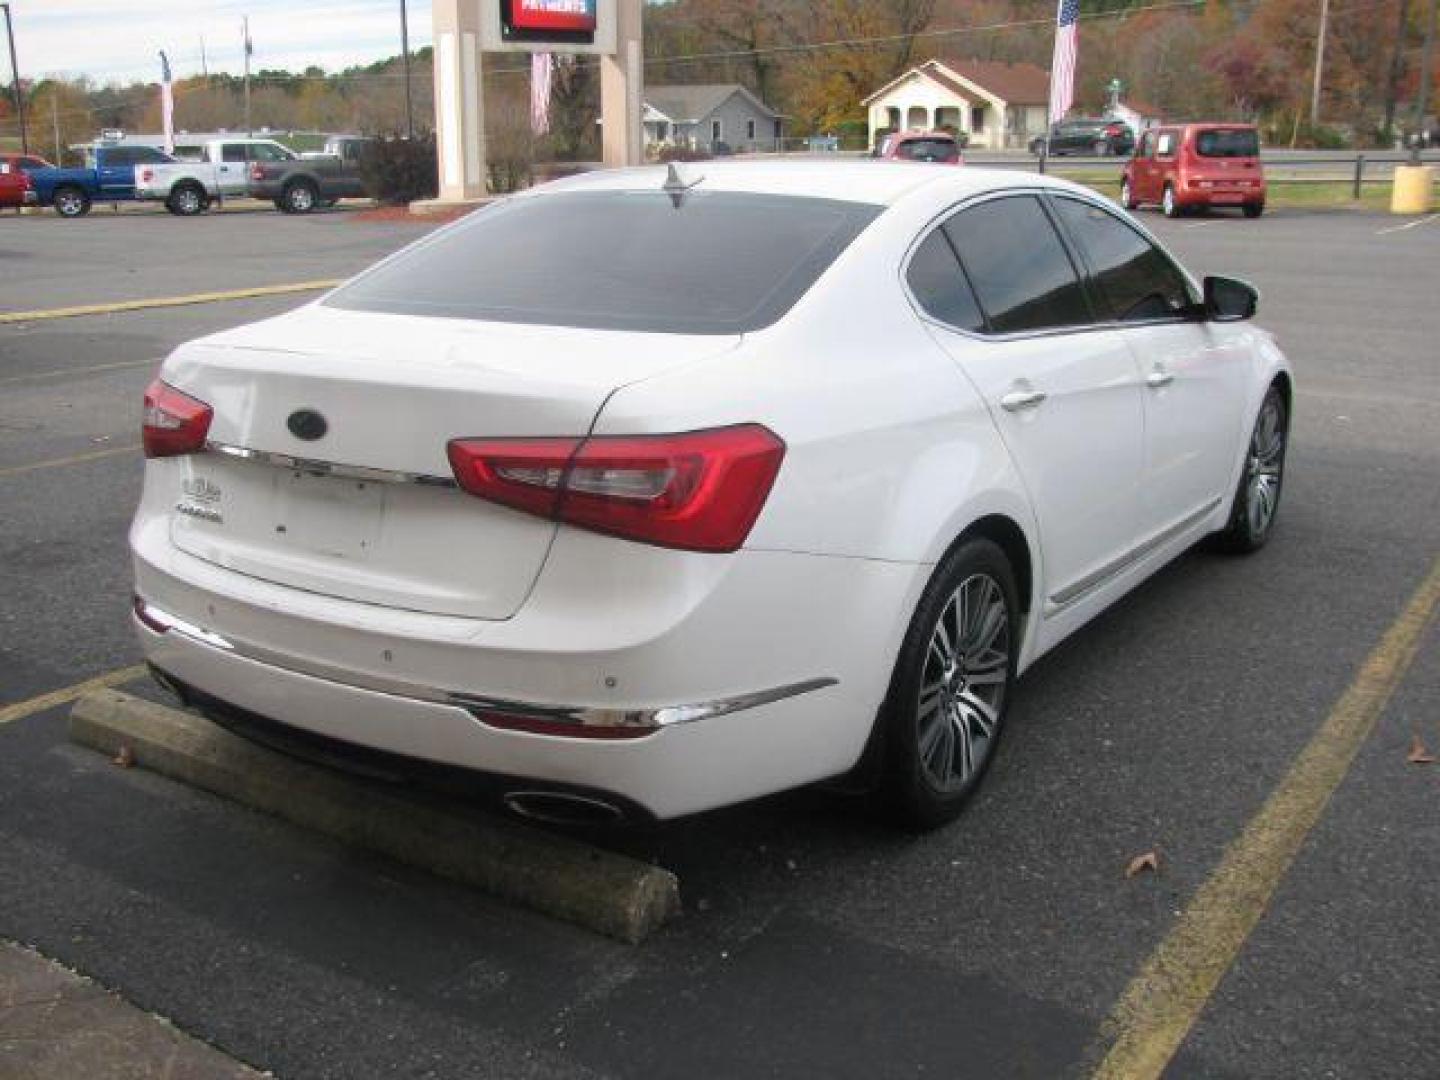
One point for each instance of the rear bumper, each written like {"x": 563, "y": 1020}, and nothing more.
{"x": 796, "y": 651}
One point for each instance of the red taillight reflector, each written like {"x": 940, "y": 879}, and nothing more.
{"x": 257, "y": 171}
{"x": 173, "y": 423}
{"x": 538, "y": 725}
{"x": 698, "y": 491}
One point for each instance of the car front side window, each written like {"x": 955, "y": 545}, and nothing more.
{"x": 1018, "y": 266}
{"x": 1135, "y": 278}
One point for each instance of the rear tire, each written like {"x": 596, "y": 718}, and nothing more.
{"x": 1127, "y": 196}
{"x": 1168, "y": 203}
{"x": 945, "y": 711}
{"x": 1254, "y": 209}
{"x": 187, "y": 200}
{"x": 71, "y": 202}
{"x": 299, "y": 197}
{"x": 1262, "y": 478}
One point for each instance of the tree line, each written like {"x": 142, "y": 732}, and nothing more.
{"x": 816, "y": 60}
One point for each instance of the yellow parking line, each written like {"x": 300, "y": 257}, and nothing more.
{"x": 74, "y": 459}
{"x": 22, "y": 709}
{"x": 64, "y": 372}
{"x": 1162, "y": 1003}
{"x": 167, "y": 301}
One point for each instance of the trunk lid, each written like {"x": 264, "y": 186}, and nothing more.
{"x": 387, "y": 526}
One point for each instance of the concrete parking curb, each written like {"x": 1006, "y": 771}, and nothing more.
{"x": 609, "y": 893}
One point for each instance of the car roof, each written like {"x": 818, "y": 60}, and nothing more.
{"x": 882, "y": 182}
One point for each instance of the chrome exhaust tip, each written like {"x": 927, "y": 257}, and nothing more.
{"x": 562, "y": 808}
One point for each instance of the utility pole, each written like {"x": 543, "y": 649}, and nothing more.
{"x": 204, "y": 65}
{"x": 405, "y": 50}
{"x": 15, "y": 84}
{"x": 1319, "y": 63}
{"x": 245, "y": 26}
{"x": 55, "y": 120}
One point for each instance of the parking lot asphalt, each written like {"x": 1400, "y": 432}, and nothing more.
{"x": 815, "y": 942}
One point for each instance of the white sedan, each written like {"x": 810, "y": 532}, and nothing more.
{"x": 646, "y": 493}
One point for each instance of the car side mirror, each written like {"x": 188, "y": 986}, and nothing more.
{"x": 1229, "y": 299}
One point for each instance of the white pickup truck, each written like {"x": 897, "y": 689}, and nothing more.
{"x": 221, "y": 171}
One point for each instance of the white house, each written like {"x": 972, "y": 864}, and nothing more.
{"x": 995, "y": 104}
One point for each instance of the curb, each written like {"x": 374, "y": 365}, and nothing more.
{"x": 611, "y": 894}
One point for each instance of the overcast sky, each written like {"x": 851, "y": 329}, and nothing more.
{"x": 119, "y": 39}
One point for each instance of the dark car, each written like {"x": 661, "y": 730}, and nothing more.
{"x": 1100, "y": 137}
{"x": 299, "y": 185}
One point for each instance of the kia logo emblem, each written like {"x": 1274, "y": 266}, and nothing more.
{"x": 307, "y": 424}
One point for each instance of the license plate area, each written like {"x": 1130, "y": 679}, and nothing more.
{"x": 327, "y": 515}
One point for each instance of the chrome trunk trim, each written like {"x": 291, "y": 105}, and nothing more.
{"x": 316, "y": 467}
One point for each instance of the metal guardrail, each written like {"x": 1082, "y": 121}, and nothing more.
{"x": 1351, "y": 168}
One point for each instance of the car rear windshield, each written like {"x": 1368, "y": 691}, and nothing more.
{"x": 1224, "y": 143}
{"x": 703, "y": 263}
{"x": 927, "y": 149}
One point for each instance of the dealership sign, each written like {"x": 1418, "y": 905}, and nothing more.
{"x": 565, "y": 26}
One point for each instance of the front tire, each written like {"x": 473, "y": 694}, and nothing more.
{"x": 1254, "y": 209}
{"x": 951, "y": 686}
{"x": 1127, "y": 196}
{"x": 71, "y": 202}
{"x": 1257, "y": 496}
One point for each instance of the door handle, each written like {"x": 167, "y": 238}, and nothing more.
{"x": 1016, "y": 400}
{"x": 1158, "y": 378}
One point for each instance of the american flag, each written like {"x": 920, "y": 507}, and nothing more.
{"x": 167, "y": 104}
{"x": 1062, "y": 67}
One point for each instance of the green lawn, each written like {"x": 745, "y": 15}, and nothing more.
{"x": 1285, "y": 194}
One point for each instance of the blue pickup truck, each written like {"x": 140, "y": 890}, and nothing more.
{"x": 107, "y": 176}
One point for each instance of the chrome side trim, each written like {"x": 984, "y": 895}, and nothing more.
{"x": 579, "y": 715}
{"x": 1077, "y": 591}
{"x": 316, "y": 467}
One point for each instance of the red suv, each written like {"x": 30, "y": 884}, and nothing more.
{"x": 1194, "y": 167}
{"x": 937, "y": 146}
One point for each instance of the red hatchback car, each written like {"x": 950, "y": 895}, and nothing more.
{"x": 1195, "y": 167}
{"x": 15, "y": 189}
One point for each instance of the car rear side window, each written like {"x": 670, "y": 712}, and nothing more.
{"x": 714, "y": 262}
{"x": 926, "y": 150}
{"x": 232, "y": 152}
{"x": 1135, "y": 278}
{"x": 939, "y": 284}
{"x": 1227, "y": 143}
{"x": 1019, "y": 268}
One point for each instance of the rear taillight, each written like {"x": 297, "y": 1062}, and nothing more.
{"x": 174, "y": 423}
{"x": 699, "y": 491}
{"x": 146, "y": 175}
{"x": 257, "y": 172}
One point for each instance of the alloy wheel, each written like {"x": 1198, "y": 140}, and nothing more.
{"x": 962, "y": 689}
{"x": 1264, "y": 466}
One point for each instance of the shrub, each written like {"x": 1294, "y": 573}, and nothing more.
{"x": 397, "y": 170}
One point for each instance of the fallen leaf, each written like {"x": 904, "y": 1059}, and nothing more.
{"x": 125, "y": 758}
{"x": 1149, "y": 861}
{"x": 1418, "y": 754}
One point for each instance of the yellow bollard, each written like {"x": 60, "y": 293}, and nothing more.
{"x": 1414, "y": 190}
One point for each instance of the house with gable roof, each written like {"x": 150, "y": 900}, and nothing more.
{"x": 701, "y": 116}
{"x": 996, "y": 104}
